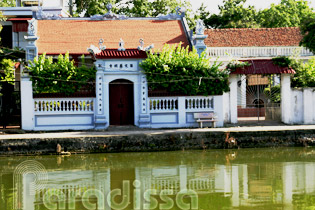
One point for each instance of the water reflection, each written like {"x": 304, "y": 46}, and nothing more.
{"x": 223, "y": 179}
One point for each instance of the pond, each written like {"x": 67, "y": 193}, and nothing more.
{"x": 273, "y": 178}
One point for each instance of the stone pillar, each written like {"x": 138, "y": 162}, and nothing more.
{"x": 233, "y": 97}
{"x": 286, "y": 111}
{"x": 99, "y": 112}
{"x": 27, "y": 103}
{"x": 144, "y": 121}
{"x": 219, "y": 110}
{"x": 308, "y": 105}
{"x": 200, "y": 37}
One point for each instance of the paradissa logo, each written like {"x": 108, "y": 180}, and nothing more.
{"x": 56, "y": 199}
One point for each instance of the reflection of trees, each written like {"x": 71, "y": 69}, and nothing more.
{"x": 6, "y": 191}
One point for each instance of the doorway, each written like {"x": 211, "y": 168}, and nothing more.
{"x": 121, "y": 102}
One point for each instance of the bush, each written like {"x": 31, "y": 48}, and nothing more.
{"x": 181, "y": 71}
{"x": 61, "y": 76}
{"x": 305, "y": 72}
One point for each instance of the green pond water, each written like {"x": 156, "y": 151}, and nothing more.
{"x": 281, "y": 178}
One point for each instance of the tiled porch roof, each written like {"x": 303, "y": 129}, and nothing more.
{"x": 263, "y": 67}
{"x": 114, "y": 53}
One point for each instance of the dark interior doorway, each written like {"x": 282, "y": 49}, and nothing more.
{"x": 121, "y": 102}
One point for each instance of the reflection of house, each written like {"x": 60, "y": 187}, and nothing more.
{"x": 249, "y": 185}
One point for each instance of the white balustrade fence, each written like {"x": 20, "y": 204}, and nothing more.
{"x": 63, "y": 113}
{"x": 257, "y": 51}
{"x": 163, "y": 104}
{"x": 74, "y": 105}
{"x": 179, "y": 111}
{"x": 199, "y": 103}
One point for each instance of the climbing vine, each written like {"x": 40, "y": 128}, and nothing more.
{"x": 180, "y": 70}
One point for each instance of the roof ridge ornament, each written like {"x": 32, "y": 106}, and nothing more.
{"x": 41, "y": 15}
{"x": 200, "y": 27}
{"x": 180, "y": 13}
{"x": 93, "y": 50}
{"x": 109, "y": 15}
{"x": 31, "y": 30}
{"x": 121, "y": 45}
{"x": 100, "y": 44}
{"x": 141, "y": 47}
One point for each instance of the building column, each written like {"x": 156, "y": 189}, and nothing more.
{"x": 144, "y": 121}
{"x": 233, "y": 97}
{"x": 27, "y": 103}
{"x": 308, "y": 106}
{"x": 99, "y": 111}
{"x": 286, "y": 98}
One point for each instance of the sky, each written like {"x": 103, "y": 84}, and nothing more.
{"x": 212, "y": 5}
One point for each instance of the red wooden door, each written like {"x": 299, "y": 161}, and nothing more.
{"x": 121, "y": 102}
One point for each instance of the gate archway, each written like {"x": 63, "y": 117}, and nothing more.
{"x": 259, "y": 91}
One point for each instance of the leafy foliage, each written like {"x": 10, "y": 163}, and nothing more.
{"x": 308, "y": 31}
{"x": 179, "y": 70}
{"x": 233, "y": 65}
{"x": 134, "y": 8}
{"x": 7, "y": 3}
{"x": 274, "y": 93}
{"x": 282, "y": 61}
{"x": 8, "y": 57}
{"x": 7, "y": 70}
{"x": 233, "y": 14}
{"x": 289, "y": 13}
{"x": 305, "y": 72}
{"x": 61, "y": 76}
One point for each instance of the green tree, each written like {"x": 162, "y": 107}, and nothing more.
{"x": 181, "y": 71}
{"x": 305, "y": 73}
{"x": 308, "y": 31}
{"x": 233, "y": 14}
{"x": 133, "y": 8}
{"x": 62, "y": 76}
{"x": 288, "y": 13}
{"x": 7, "y": 3}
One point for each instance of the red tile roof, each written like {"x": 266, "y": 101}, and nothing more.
{"x": 75, "y": 36}
{"x": 263, "y": 67}
{"x": 128, "y": 53}
{"x": 250, "y": 37}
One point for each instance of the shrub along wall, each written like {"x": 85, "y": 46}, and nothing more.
{"x": 62, "y": 77}
{"x": 177, "y": 70}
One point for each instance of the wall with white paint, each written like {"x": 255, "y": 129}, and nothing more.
{"x": 303, "y": 106}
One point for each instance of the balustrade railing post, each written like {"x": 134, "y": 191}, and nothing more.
{"x": 182, "y": 110}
